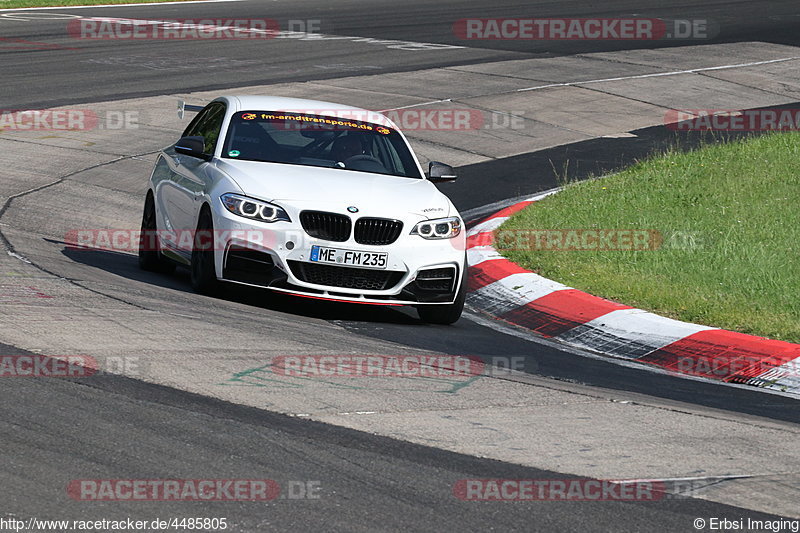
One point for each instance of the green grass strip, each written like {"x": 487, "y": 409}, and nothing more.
{"x": 729, "y": 216}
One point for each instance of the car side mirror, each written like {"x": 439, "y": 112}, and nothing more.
{"x": 194, "y": 146}
{"x": 440, "y": 173}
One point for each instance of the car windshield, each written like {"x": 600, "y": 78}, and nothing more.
{"x": 318, "y": 141}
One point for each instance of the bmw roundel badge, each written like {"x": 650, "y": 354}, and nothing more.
{"x": 353, "y": 209}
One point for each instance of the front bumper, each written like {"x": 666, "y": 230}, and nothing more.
{"x": 277, "y": 256}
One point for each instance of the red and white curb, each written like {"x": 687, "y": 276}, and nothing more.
{"x": 510, "y": 293}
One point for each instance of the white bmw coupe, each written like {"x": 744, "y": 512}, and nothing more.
{"x": 308, "y": 198}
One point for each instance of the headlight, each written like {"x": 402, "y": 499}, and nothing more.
{"x": 253, "y": 209}
{"x": 440, "y": 228}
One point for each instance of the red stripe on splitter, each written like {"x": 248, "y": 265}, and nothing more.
{"x": 490, "y": 271}
{"x": 560, "y": 311}
{"x": 723, "y": 355}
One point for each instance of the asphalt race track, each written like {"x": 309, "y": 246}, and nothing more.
{"x": 103, "y": 70}
{"x": 174, "y": 421}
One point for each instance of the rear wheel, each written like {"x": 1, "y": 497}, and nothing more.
{"x": 445, "y": 314}
{"x": 150, "y": 257}
{"x": 204, "y": 275}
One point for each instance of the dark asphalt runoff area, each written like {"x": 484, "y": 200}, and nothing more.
{"x": 54, "y": 431}
{"x": 61, "y": 70}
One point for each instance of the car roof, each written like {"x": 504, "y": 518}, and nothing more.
{"x": 315, "y": 107}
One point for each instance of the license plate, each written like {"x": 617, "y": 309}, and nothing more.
{"x": 336, "y": 256}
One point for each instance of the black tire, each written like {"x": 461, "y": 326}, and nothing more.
{"x": 204, "y": 274}
{"x": 150, "y": 257}
{"x": 448, "y": 313}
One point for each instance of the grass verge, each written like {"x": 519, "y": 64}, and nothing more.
{"x": 10, "y": 4}
{"x": 729, "y": 219}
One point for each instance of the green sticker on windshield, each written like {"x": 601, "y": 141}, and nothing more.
{"x": 234, "y": 153}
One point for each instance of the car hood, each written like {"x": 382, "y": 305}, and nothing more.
{"x": 337, "y": 189}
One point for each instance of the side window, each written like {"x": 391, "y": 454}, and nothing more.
{"x": 207, "y": 124}
{"x": 192, "y": 128}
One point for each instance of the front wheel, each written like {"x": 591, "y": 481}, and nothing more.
{"x": 445, "y": 314}
{"x": 150, "y": 257}
{"x": 204, "y": 275}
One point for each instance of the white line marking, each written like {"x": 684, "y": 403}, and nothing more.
{"x": 659, "y": 74}
{"x": 16, "y": 255}
{"x": 117, "y": 5}
{"x": 432, "y": 102}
